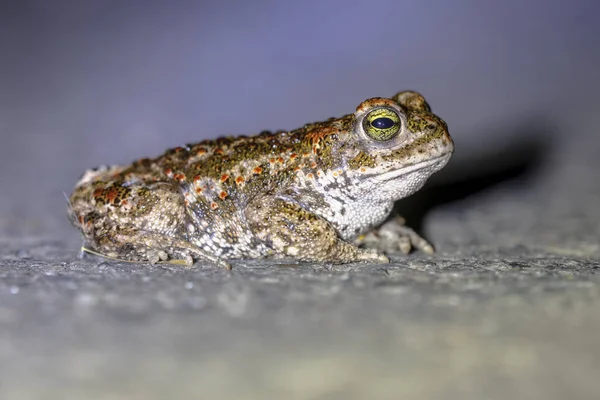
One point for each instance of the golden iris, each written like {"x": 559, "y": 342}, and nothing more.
{"x": 382, "y": 124}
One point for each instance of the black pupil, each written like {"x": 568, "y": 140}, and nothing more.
{"x": 383, "y": 123}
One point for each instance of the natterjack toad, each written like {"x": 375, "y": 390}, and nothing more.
{"x": 306, "y": 194}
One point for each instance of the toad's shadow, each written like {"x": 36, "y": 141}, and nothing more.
{"x": 520, "y": 158}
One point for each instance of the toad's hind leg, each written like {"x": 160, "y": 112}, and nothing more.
{"x": 136, "y": 222}
{"x": 137, "y": 245}
{"x": 291, "y": 231}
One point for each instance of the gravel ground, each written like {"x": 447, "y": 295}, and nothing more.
{"x": 495, "y": 325}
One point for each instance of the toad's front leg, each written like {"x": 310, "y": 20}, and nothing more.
{"x": 291, "y": 231}
{"x": 393, "y": 236}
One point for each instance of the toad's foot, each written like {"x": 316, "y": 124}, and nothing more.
{"x": 394, "y": 236}
{"x": 136, "y": 246}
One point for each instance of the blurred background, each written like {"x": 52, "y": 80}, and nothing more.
{"x": 84, "y": 83}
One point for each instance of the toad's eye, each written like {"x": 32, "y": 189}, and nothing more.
{"x": 382, "y": 124}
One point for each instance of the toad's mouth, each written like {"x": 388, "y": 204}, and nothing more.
{"x": 426, "y": 167}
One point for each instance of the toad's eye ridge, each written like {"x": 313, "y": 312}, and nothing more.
{"x": 382, "y": 123}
